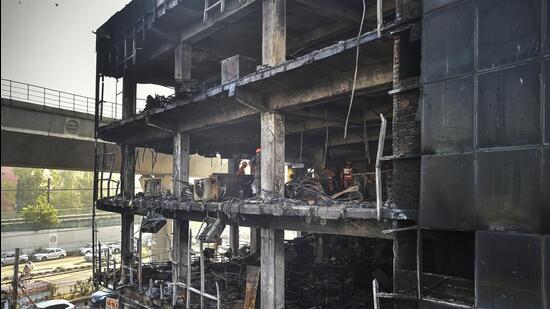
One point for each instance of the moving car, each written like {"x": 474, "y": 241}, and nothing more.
{"x": 99, "y": 298}
{"x": 50, "y": 254}
{"x": 9, "y": 258}
{"x": 54, "y": 304}
{"x": 115, "y": 247}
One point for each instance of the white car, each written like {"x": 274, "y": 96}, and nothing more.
{"x": 50, "y": 254}
{"x": 9, "y": 258}
{"x": 88, "y": 248}
{"x": 88, "y": 255}
{"x": 55, "y": 304}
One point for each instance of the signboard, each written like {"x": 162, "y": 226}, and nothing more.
{"x": 111, "y": 303}
{"x": 52, "y": 239}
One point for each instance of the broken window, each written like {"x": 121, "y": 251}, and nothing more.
{"x": 448, "y": 264}
{"x": 449, "y": 50}
{"x": 509, "y": 190}
{"x": 447, "y": 191}
{"x": 509, "y": 31}
{"x": 509, "y": 107}
{"x": 508, "y": 270}
{"x": 448, "y": 113}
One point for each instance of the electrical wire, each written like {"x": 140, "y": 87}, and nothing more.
{"x": 356, "y": 69}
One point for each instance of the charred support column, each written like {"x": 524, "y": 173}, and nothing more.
{"x": 182, "y": 68}
{"x": 128, "y": 168}
{"x": 273, "y": 175}
{"x": 406, "y": 143}
{"x": 273, "y": 32}
{"x": 273, "y": 159}
{"x": 180, "y": 226}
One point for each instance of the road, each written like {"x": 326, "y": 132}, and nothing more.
{"x": 68, "y": 262}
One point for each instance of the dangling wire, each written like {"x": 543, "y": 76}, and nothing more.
{"x": 301, "y": 144}
{"x": 356, "y": 68}
{"x": 366, "y": 137}
{"x": 326, "y": 140}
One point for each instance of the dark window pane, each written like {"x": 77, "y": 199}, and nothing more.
{"x": 449, "y": 50}
{"x": 547, "y": 98}
{"x": 509, "y": 107}
{"x": 509, "y": 31}
{"x": 546, "y": 262}
{"x": 448, "y": 113}
{"x": 546, "y": 191}
{"x": 447, "y": 192}
{"x": 508, "y": 270}
{"x": 509, "y": 192}
{"x": 547, "y": 40}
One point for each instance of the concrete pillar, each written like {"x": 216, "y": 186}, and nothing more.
{"x": 180, "y": 226}
{"x": 273, "y": 269}
{"x": 129, "y": 89}
{"x": 273, "y": 32}
{"x": 127, "y": 172}
{"x": 182, "y": 67}
{"x": 255, "y": 239}
{"x": 234, "y": 239}
{"x": 273, "y": 174}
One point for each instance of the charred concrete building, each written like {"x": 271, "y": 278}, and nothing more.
{"x": 442, "y": 107}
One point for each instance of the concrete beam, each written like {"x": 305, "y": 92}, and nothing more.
{"x": 370, "y": 76}
{"x": 182, "y": 60}
{"x": 129, "y": 88}
{"x": 127, "y": 172}
{"x": 273, "y": 32}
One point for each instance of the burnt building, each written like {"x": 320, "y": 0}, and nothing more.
{"x": 440, "y": 105}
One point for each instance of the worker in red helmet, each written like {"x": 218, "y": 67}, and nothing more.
{"x": 346, "y": 176}
{"x": 256, "y": 168}
{"x": 242, "y": 168}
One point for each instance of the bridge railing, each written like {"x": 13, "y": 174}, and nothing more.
{"x": 24, "y": 92}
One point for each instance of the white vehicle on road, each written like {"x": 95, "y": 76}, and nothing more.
{"x": 9, "y": 258}
{"x": 88, "y": 248}
{"x": 54, "y": 304}
{"x": 50, "y": 254}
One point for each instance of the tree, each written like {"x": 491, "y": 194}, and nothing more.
{"x": 41, "y": 215}
{"x": 32, "y": 183}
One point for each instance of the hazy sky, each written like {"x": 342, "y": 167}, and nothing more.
{"x": 53, "y": 46}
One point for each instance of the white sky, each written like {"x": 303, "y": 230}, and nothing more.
{"x": 54, "y": 47}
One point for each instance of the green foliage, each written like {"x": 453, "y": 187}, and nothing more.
{"x": 75, "y": 190}
{"x": 32, "y": 183}
{"x": 41, "y": 215}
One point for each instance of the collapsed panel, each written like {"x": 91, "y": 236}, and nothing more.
{"x": 509, "y": 107}
{"x": 447, "y": 192}
{"x": 449, "y": 50}
{"x": 508, "y": 270}
{"x": 447, "y": 116}
{"x": 509, "y": 31}
{"x": 509, "y": 191}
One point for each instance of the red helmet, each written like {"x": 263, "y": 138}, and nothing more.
{"x": 258, "y": 150}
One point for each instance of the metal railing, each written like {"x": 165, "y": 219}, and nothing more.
{"x": 29, "y": 93}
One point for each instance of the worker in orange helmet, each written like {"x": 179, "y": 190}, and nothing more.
{"x": 256, "y": 168}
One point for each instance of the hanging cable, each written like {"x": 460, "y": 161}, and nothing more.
{"x": 301, "y": 144}
{"x": 326, "y": 140}
{"x": 366, "y": 137}
{"x": 356, "y": 69}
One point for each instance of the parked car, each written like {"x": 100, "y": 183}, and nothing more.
{"x": 9, "y": 258}
{"x": 115, "y": 247}
{"x": 98, "y": 299}
{"x": 88, "y": 248}
{"x": 54, "y": 304}
{"x": 88, "y": 255}
{"x": 50, "y": 254}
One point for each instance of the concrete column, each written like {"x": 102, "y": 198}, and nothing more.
{"x": 272, "y": 243}
{"x": 127, "y": 172}
{"x": 182, "y": 67}
{"x": 273, "y": 154}
{"x": 255, "y": 239}
{"x": 273, "y": 32}
{"x": 273, "y": 269}
{"x": 234, "y": 239}
{"x": 180, "y": 226}
{"x": 129, "y": 89}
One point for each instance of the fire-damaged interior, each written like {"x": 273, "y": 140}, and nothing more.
{"x": 406, "y": 141}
